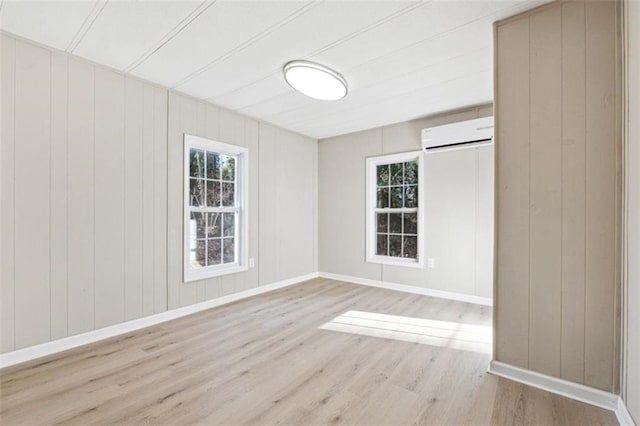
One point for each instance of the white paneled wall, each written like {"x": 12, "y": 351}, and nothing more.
{"x": 458, "y": 208}
{"x": 83, "y": 200}
{"x": 91, "y": 216}
{"x": 558, "y": 180}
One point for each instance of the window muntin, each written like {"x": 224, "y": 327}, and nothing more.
{"x": 393, "y": 209}
{"x": 215, "y": 208}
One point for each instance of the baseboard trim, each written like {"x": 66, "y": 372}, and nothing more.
{"x": 623, "y": 415}
{"x": 410, "y": 289}
{"x": 589, "y": 395}
{"x": 49, "y": 348}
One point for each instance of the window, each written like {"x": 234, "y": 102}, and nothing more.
{"x": 215, "y": 208}
{"x": 394, "y": 216}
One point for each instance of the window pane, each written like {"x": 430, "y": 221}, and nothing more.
{"x": 228, "y": 165}
{"x": 411, "y": 173}
{"x": 411, "y": 196}
{"x": 410, "y": 247}
{"x": 196, "y": 162}
{"x": 213, "y": 252}
{"x": 213, "y": 225}
{"x": 198, "y": 252}
{"x": 228, "y": 195}
{"x": 396, "y": 174}
{"x": 395, "y": 245}
{"x": 196, "y": 226}
{"x": 410, "y": 223}
{"x": 213, "y": 165}
{"x": 196, "y": 192}
{"x": 382, "y": 172}
{"x": 382, "y": 219}
{"x": 229, "y": 222}
{"x": 229, "y": 250}
{"x": 213, "y": 193}
{"x": 381, "y": 244}
{"x": 395, "y": 223}
{"x": 383, "y": 198}
{"x": 396, "y": 197}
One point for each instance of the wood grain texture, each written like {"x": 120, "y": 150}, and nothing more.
{"x": 570, "y": 312}
{"x": 546, "y": 184}
{"x": 602, "y": 143}
{"x": 265, "y": 360}
{"x": 512, "y": 193}
{"x": 573, "y": 191}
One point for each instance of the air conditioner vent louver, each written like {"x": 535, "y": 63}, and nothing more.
{"x": 460, "y": 135}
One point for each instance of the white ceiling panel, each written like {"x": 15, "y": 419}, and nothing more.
{"x": 222, "y": 30}
{"x": 402, "y": 59}
{"x": 126, "y": 30}
{"x": 54, "y": 23}
{"x": 326, "y": 24}
{"x": 430, "y": 77}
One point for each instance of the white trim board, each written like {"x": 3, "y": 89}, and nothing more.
{"x": 582, "y": 393}
{"x": 49, "y": 348}
{"x": 410, "y": 289}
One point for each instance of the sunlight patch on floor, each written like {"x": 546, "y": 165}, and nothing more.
{"x": 447, "y": 334}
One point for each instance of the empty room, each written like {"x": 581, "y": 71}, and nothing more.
{"x": 311, "y": 212}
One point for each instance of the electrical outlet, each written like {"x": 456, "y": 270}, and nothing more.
{"x": 252, "y": 263}
{"x": 431, "y": 263}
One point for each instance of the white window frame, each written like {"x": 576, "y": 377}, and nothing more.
{"x": 242, "y": 207}
{"x": 371, "y": 209}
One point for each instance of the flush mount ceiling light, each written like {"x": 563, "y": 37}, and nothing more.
{"x": 315, "y": 80}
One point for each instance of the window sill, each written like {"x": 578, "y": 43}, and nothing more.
{"x": 203, "y": 274}
{"x": 396, "y": 261}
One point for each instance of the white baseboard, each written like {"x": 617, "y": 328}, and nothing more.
{"x": 48, "y": 348}
{"x": 410, "y": 289}
{"x": 589, "y": 395}
{"x": 623, "y": 415}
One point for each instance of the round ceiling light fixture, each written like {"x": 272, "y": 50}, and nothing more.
{"x": 315, "y": 80}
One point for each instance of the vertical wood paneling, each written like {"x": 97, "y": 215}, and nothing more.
{"x": 109, "y": 198}
{"x": 268, "y": 200}
{"x": 188, "y": 116}
{"x": 484, "y": 222}
{"x": 134, "y": 196}
{"x": 80, "y": 197}
{"x": 174, "y": 201}
{"x": 32, "y": 194}
{"x": 147, "y": 212}
{"x": 7, "y": 287}
{"x": 545, "y": 181}
{"x": 512, "y": 192}
{"x": 59, "y": 108}
{"x": 601, "y": 193}
{"x": 573, "y": 191}
{"x": 573, "y": 124}
{"x": 160, "y": 167}
{"x": 251, "y": 138}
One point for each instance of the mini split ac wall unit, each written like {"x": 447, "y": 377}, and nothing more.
{"x": 465, "y": 134}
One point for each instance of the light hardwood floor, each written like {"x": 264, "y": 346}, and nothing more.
{"x": 272, "y": 359}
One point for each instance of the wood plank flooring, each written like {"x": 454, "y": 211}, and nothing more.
{"x": 266, "y": 360}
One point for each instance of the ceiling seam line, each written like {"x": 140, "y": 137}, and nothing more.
{"x": 429, "y": 38}
{"x": 247, "y": 43}
{"x": 333, "y": 44}
{"x": 171, "y": 34}
{"x": 378, "y": 83}
{"x": 82, "y": 32}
